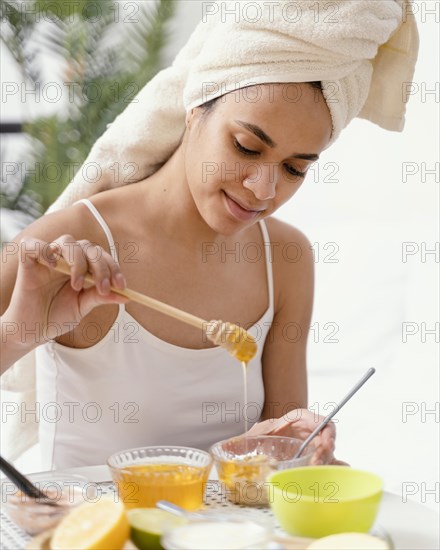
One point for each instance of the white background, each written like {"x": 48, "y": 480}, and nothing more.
{"x": 360, "y": 224}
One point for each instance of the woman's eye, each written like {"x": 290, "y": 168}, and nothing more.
{"x": 243, "y": 149}
{"x": 290, "y": 169}
{"x": 294, "y": 172}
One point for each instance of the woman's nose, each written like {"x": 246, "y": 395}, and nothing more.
{"x": 261, "y": 180}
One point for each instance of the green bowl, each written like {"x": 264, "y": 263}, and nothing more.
{"x": 316, "y": 501}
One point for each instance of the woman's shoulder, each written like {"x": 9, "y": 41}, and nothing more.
{"x": 286, "y": 234}
{"x": 113, "y": 197}
{"x": 72, "y": 220}
{"x": 292, "y": 262}
{"x": 76, "y": 220}
{"x": 118, "y": 204}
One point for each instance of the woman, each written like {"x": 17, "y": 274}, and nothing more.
{"x": 182, "y": 215}
{"x": 196, "y": 234}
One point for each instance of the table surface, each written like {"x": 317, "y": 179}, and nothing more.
{"x": 409, "y": 524}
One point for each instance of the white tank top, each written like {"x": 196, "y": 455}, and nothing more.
{"x": 133, "y": 389}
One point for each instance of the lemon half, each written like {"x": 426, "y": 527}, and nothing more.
{"x": 93, "y": 526}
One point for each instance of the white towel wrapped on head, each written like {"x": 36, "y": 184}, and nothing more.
{"x": 336, "y": 50}
{"x": 362, "y": 51}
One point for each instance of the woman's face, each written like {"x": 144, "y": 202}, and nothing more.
{"x": 250, "y": 154}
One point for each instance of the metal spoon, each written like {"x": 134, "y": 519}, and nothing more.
{"x": 176, "y": 510}
{"x": 23, "y": 483}
{"x": 327, "y": 419}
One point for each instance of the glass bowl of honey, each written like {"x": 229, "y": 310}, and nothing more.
{"x": 243, "y": 464}
{"x": 145, "y": 475}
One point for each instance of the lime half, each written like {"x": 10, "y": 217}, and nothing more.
{"x": 149, "y": 524}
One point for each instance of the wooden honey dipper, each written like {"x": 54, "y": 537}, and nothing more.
{"x": 236, "y": 340}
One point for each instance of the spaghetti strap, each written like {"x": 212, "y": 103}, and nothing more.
{"x": 269, "y": 261}
{"x": 103, "y": 225}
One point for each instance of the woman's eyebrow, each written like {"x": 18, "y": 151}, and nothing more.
{"x": 257, "y": 131}
{"x": 261, "y": 134}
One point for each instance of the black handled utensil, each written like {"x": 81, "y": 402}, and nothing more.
{"x": 23, "y": 483}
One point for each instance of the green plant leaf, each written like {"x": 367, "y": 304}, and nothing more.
{"x": 102, "y": 64}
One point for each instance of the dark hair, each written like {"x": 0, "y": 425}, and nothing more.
{"x": 317, "y": 85}
{"x": 208, "y": 106}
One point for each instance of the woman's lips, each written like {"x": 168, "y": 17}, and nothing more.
{"x": 238, "y": 211}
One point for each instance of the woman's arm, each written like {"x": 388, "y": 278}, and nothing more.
{"x": 47, "y": 229}
{"x": 38, "y": 302}
{"x": 284, "y": 355}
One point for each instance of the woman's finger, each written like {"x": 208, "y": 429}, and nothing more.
{"x": 117, "y": 277}
{"x": 324, "y": 446}
{"x": 91, "y": 298}
{"x": 336, "y": 462}
{"x": 69, "y": 248}
{"x": 323, "y": 455}
{"x": 35, "y": 250}
{"x": 263, "y": 428}
{"x": 98, "y": 261}
{"x": 85, "y": 257}
{"x": 105, "y": 270}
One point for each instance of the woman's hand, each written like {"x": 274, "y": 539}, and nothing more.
{"x": 299, "y": 424}
{"x": 45, "y": 303}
